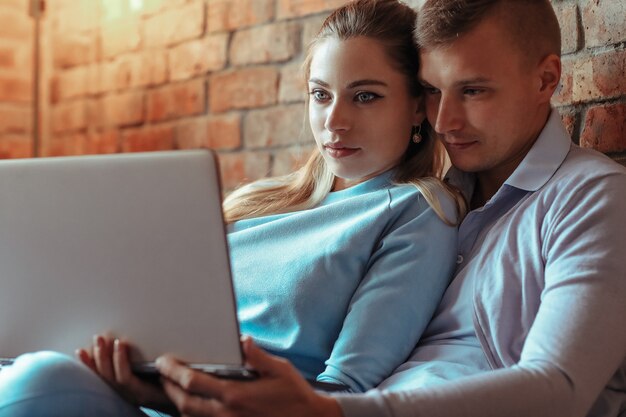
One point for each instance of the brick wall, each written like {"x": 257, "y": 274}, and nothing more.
{"x": 135, "y": 75}
{"x": 16, "y": 34}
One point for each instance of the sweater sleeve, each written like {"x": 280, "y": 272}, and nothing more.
{"x": 575, "y": 345}
{"x": 405, "y": 279}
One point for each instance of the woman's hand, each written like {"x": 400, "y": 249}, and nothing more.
{"x": 109, "y": 358}
{"x": 279, "y": 390}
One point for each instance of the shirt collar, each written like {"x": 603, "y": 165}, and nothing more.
{"x": 538, "y": 166}
{"x": 544, "y": 158}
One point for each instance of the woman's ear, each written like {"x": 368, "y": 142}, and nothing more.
{"x": 420, "y": 112}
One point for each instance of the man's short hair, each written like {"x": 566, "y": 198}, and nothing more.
{"x": 532, "y": 24}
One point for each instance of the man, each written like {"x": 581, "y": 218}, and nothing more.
{"x": 533, "y": 323}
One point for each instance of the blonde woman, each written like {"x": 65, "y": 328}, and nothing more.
{"x": 339, "y": 266}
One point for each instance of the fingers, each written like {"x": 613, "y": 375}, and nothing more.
{"x": 86, "y": 358}
{"x": 121, "y": 363}
{"x": 103, "y": 357}
{"x": 190, "y": 380}
{"x": 193, "y": 405}
{"x": 263, "y": 362}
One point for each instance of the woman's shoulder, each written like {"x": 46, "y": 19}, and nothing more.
{"x": 431, "y": 196}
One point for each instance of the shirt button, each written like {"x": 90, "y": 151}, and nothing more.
{"x": 459, "y": 259}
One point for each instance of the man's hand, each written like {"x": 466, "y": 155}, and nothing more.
{"x": 279, "y": 390}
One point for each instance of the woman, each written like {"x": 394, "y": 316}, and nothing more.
{"x": 339, "y": 266}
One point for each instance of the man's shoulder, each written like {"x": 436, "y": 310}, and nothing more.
{"x": 584, "y": 165}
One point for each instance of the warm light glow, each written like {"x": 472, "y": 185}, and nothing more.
{"x": 136, "y": 4}
{"x": 116, "y": 9}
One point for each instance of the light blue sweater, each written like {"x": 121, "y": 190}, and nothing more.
{"x": 344, "y": 290}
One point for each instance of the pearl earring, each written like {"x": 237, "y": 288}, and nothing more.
{"x": 416, "y": 137}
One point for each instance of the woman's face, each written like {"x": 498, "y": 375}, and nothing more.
{"x": 360, "y": 109}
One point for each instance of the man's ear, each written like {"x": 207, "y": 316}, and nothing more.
{"x": 549, "y": 71}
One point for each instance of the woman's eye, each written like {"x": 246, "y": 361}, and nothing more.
{"x": 319, "y": 95}
{"x": 366, "y": 97}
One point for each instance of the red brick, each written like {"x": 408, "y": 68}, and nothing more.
{"x": 569, "y": 119}
{"x": 269, "y": 43}
{"x": 176, "y": 25}
{"x": 123, "y": 109}
{"x": 152, "y": 138}
{"x": 198, "y": 57}
{"x": 150, "y": 7}
{"x": 139, "y": 69}
{"x": 102, "y": 142}
{"x": 224, "y": 131}
{"x": 310, "y": 27}
{"x": 239, "y": 168}
{"x": 15, "y": 4}
{"x": 65, "y": 145}
{"x": 7, "y": 57}
{"x": 296, "y": 8}
{"x": 291, "y": 159}
{"x": 604, "y": 22}
{"x": 70, "y": 83}
{"x": 15, "y": 89}
{"x": 600, "y": 76}
{"x": 70, "y": 49}
{"x": 69, "y": 116}
{"x": 177, "y": 100}
{"x": 76, "y": 16}
{"x": 15, "y": 146}
{"x": 120, "y": 36}
{"x": 228, "y": 15}
{"x": 605, "y": 128}
{"x": 214, "y": 132}
{"x": 275, "y": 126}
{"x": 567, "y": 14}
{"x": 15, "y": 119}
{"x": 245, "y": 88}
{"x": 95, "y": 78}
{"x": 15, "y": 24}
{"x": 292, "y": 86}
{"x": 191, "y": 133}
{"x": 563, "y": 94}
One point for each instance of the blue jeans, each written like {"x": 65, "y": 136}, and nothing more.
{"x": 49, "y": 384}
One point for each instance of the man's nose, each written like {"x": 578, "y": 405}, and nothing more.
{"x": 449, "y": 115}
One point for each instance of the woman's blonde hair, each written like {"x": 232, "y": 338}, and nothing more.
{"x": 392, "y": 24}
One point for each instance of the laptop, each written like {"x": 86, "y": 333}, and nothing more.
{"x": 129, "y": 244}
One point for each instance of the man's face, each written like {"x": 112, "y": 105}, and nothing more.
{"x": 482, "y": 99}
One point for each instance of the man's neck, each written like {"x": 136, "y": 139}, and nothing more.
{"x": 485, "y": 188}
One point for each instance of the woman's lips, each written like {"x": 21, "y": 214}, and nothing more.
{"x": 339, "y": 151}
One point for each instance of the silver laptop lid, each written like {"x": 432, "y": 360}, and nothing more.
{"x": 133, "y": 244}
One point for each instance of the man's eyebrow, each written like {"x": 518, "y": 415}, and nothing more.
{"x": 460, "y": 83}
{"x": 475, "y": 80}
{"x": 353, "y": 84}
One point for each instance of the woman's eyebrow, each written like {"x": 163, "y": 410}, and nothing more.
{"x": 353, "y": 84}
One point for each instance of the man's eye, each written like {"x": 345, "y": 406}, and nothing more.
{"x": 319, "y": 95}
{"x": 472, "y": 91}
{"x": 365, "y": 97}
{"x": 431, "y": 91}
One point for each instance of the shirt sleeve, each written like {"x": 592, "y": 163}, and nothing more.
{"x": 405, "y": 280}
{"x": 576, "y": 343}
